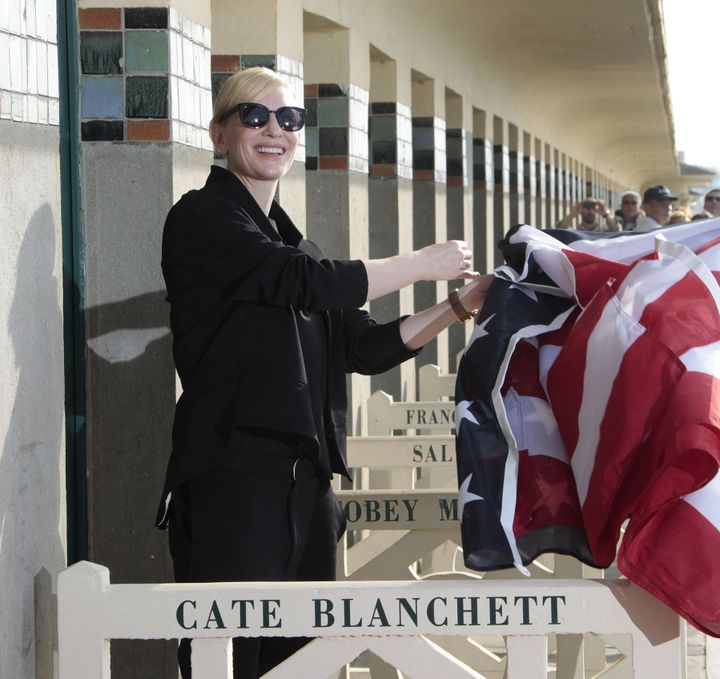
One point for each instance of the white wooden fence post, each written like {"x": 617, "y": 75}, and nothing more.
{"x": 211, "y": 658}
{"x": 83, "y": 653}
{"x": 527, "y": 657}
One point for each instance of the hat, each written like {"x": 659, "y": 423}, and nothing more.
{"x": 658, "y": 192}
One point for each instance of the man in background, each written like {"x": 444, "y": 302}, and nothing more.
{"x": 629, "y": 212}
{"x": 657, "y": 204}
{"x": 594, "y": 216}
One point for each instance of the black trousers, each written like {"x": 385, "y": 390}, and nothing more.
{"x": 261, "y": 514}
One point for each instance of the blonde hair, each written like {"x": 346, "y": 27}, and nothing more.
{"x": 248, "y": 85}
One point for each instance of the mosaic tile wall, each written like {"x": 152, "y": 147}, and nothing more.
{"x": 482, "y": 164}
{"x": 144, "y": 76}
{"x": 501, "y": 163}
{"x": 540, "y": 183}
{"x": 529, "y": 180}
{"x": 456, "y": 160}
{"x": 336, "y": 135}
{"x": 390, "y": 140}
{"x": 429, "y": 149}
{"x": 224, "y": 65}
{"x": 29, "y": 61}
{"x": 515, "y": 171}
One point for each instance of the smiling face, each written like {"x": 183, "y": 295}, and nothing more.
{"x": 258, "y": 155}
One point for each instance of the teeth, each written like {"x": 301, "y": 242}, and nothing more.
{"x": 270, "y": 149}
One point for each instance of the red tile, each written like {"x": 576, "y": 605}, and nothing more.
{"x": 378, "y": 170}
{"x": 333, "y": 162}
{"x": 148, "y": 130}
{"x": 100, "y": 18}
{"x": 224, "y": 63}
{"x": 424, "y": 175}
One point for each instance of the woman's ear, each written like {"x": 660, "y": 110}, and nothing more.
{"x": 218, "y": 138}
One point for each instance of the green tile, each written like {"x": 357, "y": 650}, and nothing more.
{"x": 100, "y": 52}
{"x": 383, "y": 128}
{"x": 146, "y": 52}
{"x": 249, "y": 60}
{"x": 333, "y": 112}
{"x": 146, "y": 97}
{"x": 311, "y": 141}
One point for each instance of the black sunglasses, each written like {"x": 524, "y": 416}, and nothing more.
{"x": 713, "y": 199}
{"x": 289, "y": 118}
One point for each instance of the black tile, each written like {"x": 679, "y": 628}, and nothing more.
{"x": 250, "y": 60}
{"x": 311, "y": 108}
{"x": 311, "y": 163}
{"x": 332, "y": 90}
{"x": 218, "y": 80}
{"x": 454, "y": 167}
{"x": 333, "y": 141}
{"x": 380, "y": 107}
{"x": 146, "y": 17}
{"x": 454, "y": 133}
{"x": 478, "y": 141}
{"x": 424, "y": 159}
{"x": 102, "y": 130}
{"x": 100, "y": 52}
{"x": 146, "y": 96}
{"x": 384, "y": 152}
{"x": 479, "y": 172}
{"x": 422, "y": 121}
{"x": 454, "y": 147}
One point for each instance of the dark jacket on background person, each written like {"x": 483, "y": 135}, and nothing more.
{"x": 234, "y": 285}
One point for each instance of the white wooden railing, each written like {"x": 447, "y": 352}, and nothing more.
{"x": 435, "y": 619}
{"x": 391, "y": 619}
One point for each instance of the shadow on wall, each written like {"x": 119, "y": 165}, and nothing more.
{"x": 130, "y": 406}
{"x": 130, "y": 389}
{"x": 32, "y": 467}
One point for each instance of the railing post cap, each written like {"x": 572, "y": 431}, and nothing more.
{"x": 87, "y": 570}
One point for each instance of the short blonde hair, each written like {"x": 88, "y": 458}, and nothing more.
{"x": 248, "y": 85}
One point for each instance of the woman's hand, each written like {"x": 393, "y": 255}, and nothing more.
{"x": 472, "y": 296}
{"x": 420, "y": 328}
{"x": 446, "y": 261}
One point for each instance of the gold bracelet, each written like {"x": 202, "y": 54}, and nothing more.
{"x": 460, "y": 311}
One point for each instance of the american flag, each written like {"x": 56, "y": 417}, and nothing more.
{"x": 589, "y": 394}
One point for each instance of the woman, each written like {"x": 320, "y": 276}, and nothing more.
{"x": 264, "y": 329}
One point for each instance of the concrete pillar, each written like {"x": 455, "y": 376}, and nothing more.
{"x": 390, "y": 198}
{"x": 33, "y": 505}
{"x": 337, "y": 77}
{"x": 529, "y": 179}
{"x": 563, "y": 186}
{"x": 145, "y": 86}
{"x": 559, "y": 205}
{"x": 587, "y": 184}
{"x": 515, "y": 156}
{"x": 429, "y": 195}
{"x": 551, "y": 178}
{"x": 501, "y": 162}
{"x": 572, "y": 176}
{"x": 483, "y": 186}
{"x": 459, "y": 199}
{"x": 541, "y": 177}
{"x": 271, "y": 35}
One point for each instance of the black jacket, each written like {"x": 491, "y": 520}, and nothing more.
{"x": 233, "y": 285}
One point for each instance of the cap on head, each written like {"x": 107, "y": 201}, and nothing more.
{"x": 658, "y": 192}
